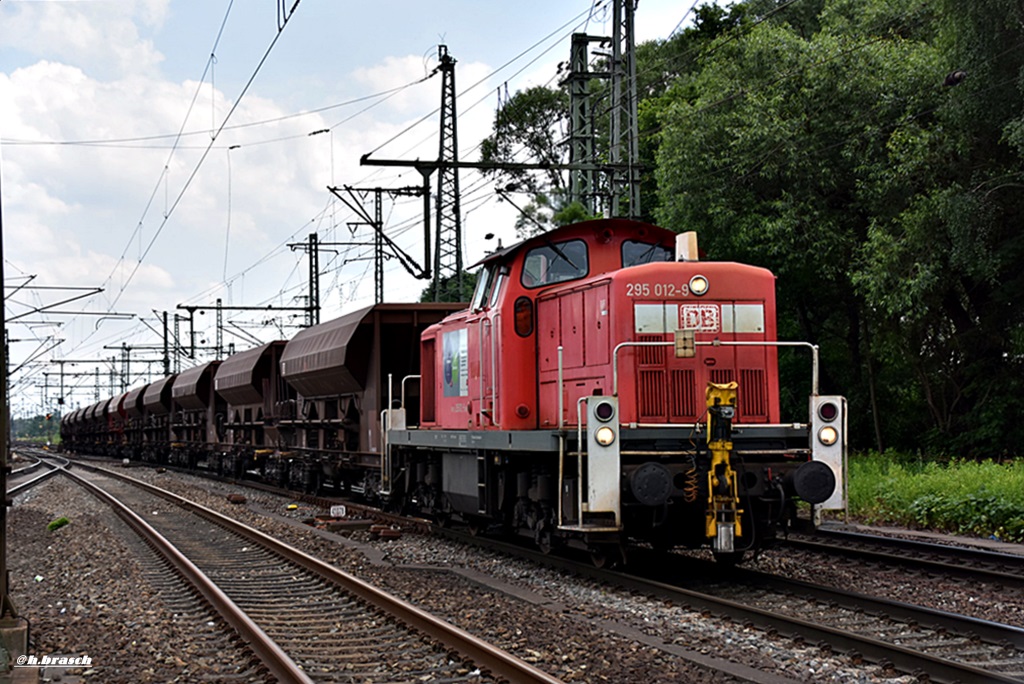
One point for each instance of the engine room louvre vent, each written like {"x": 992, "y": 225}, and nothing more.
{"x": 650, "y": 356}
{"x": 753, "y": 395}
{"x": 721, "y": 376}
{"x": 651, "y": 395}
{"x": 683, "y": 398}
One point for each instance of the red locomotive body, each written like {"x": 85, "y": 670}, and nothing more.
{"x": 679, "y": 358}
{"x": 493, "y": 362}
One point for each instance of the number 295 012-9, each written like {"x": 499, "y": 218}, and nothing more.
{"x": 657, "y": 290}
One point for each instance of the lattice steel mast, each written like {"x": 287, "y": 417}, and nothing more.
{"x": 448, "y": 253}
{"x": 625, "y": 131}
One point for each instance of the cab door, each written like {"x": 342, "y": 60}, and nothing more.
{"x": 487, "y": 323}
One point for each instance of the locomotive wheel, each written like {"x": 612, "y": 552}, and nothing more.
{"x": 605, "y": 556}
{"x": 475, "y": 526}
{"x": 546, "y": 541}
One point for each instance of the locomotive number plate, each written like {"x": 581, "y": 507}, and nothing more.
{"x": 659, "y": 290}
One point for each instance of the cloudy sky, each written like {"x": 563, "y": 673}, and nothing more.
{"x": 169, "y": 151}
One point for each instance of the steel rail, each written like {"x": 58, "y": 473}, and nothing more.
{"x": 957, "y": 560}
{"x": 985, "y": 629}
{"x": 29, "y": 468}
{"x": 906, "y": 659}
{"x": 277, "y": 662}
{"x": 32, "y": 482}
{"x": 485, "y": 655}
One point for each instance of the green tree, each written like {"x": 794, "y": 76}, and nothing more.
{"x": 452, "y": 289}
{"x": 38, "y": 428}
{"x": 533, "y": 125}
{"x": 944, "y": 271}
{"x": 771, "y": 153}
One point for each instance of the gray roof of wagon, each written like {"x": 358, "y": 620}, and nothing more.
{"x": 236, "y": 379}
{"x": 194, "y": 387}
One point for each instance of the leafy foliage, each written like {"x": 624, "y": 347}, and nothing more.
{"x": 533, "y": 125}
{"x": 868, "y": 152}
{"x": 530, "y": 128}
{"x": 451, "y": 289}
{"x": 831, "y": 152}
{"x": 37, "y": 428}
{"x": 963, "y": 497}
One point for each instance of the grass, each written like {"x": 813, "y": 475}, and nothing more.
{"x": 58, "y": 523}
{"x": 982, "y": 499}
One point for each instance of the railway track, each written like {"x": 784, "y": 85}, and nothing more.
{"x": 945, "y": 647}
{"x": 29, "y": 476}
{"x": 306, "y": 620}
{"x": 958, "y": 561}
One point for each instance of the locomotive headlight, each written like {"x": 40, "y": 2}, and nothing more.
{"x": 604, "y": 435}
{"x": 828, "y": 435}
{"x": 698, "y": 285}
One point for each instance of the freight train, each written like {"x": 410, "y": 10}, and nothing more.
{"x": 604, "y": 387}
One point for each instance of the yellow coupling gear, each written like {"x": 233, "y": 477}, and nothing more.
{"x": 723, "y": 513}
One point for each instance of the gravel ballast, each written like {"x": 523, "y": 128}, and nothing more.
{"x": 572, "y": 628}
{"x": 92, "y": 588}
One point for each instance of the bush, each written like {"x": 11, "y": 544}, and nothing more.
{"x": 58, "y": 523}
{"x": 983, "y": 499}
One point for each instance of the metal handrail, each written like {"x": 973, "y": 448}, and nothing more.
{"x": 717, "y": 343}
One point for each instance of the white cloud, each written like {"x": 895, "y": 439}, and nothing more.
{"x": 76, "y": 214}
{"x": 103, "y": 34}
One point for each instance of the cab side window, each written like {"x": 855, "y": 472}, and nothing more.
{"x": 499, "y": 280}
{"x": 634, "y": 253}
{"x": 488, "y": 286}
{"x": 483, "y": 288}
{"x": 555, "y": 263}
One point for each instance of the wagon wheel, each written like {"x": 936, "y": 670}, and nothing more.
{"x": 475, "y": 526}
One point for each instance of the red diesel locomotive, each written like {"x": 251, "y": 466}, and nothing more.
{"x": 598, "y": 390}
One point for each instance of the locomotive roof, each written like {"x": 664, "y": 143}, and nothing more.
{"x": 593, "y": 228}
